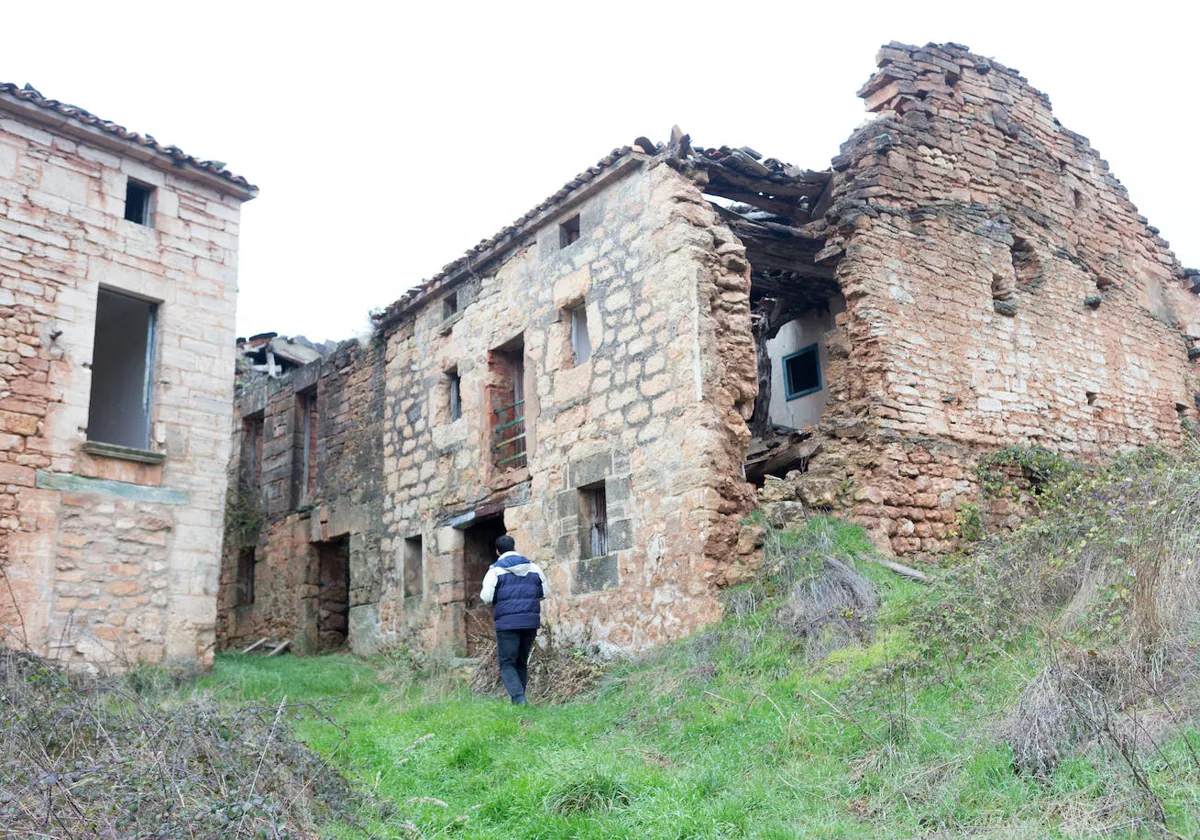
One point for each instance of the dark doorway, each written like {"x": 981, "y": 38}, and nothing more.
{"x": 333, "y": 593}
{"x": 478, "y": 553}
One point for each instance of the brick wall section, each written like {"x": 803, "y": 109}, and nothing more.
{"x": 1001, "y": 289}
{"x": 71, "y": 557}
{"x": 347, "y": 502}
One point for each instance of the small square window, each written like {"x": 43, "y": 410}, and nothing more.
{"x": 139, "y": 203}
{"x": 455, "y": 394}
{"x": 568, "y": 231}
{"x": 581, "y": 340}
{"x": 450, "y": 306}
{"x": 802, "y": 372}
{"x": 593, "y": 520}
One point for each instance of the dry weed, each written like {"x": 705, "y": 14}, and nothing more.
{"x": 556, "y": 674}
{"x": 91, "y": 757}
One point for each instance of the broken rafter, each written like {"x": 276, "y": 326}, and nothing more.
{"x": 776, "y": 185}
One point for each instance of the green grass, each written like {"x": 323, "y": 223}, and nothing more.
{"x": 731, "y": 733}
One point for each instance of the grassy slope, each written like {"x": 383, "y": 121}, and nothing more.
{"x": 764, "y": 745}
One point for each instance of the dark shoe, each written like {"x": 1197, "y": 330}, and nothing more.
{"x": 519, "y": 700}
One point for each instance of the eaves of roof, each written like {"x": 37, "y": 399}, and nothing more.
{"x": 29, "y": 103}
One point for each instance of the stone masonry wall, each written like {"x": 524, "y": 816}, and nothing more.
{"x": 110, "y": 560}
{"x": 655, "y": 416}
{"x": 1001, "y": 289}
{"x": 347, "y": 503}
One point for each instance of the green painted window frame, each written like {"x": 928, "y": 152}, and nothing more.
{"x": 787, "y": 380}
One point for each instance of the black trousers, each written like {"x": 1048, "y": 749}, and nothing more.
{"x": 512, "y": 649}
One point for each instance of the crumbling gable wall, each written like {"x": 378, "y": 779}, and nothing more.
{"x": 1001, "y": 289}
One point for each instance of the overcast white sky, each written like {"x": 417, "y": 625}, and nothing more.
{"x": 387, "y": 139}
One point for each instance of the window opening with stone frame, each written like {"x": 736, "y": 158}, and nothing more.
{"x": 593, "y": 521}
{"x": 414, "y": 567}
{"x": 802, "y": 372}
{"x": 139, "y": 203}
{"x": 581, "y": 340}
{"x": 307, "y": 427}
{"x": 569, "y": 231}
{"x": 252, "y": 451}
{"x": 122, "y": 370}
{"x": 244, "y": 584}
{"x": 450, "y": 306}
{"x": 507, "y": 394}
{"x": 454, "y": 383}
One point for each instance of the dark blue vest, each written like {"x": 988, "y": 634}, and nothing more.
{"x": 518, "y": 600}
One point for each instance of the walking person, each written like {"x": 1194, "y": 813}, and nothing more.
{"x": 516, "y": 587}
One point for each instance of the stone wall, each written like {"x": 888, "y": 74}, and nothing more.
{"x": 655, "y": 418}
{"x": 1001, "y": 289}
{"x": 110, "y": 560}
{"x": 295, "y": 528}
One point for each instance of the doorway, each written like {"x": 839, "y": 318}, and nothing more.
{"x": 479, "y": 540}
{"x": 333, "y": 593}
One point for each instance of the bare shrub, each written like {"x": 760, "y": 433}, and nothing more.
{"x": 1068, "y": 707}
{"x": 557, "y": 674}
{"x": 831, "y": 610}
{"x": 1111, "y": 557}
{"x": 99, "y": 757}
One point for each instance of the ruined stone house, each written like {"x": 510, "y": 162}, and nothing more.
{"x": 118, "y": 264}
{"x": 682, "y": 334}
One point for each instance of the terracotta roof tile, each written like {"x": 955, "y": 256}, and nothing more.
{"x": 73, "y": 112}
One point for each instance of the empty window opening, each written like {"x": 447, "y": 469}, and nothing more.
{"x": 244, "y": 583}
{"x": 1078, "y": 196}
{"x": 450, "y": 306}
{"x": 581, "y": 341}
{"x": 122, "y": 370}
{"x": 414, "y": 567}
{"x": 506, "y": 390}
{"x": 306, "y": 445}
{"x": 454, "y": 382}
{"x": 568, "y": 231}
{"x": 252, "y": 452}
{"x": 413, "y": 573}
{"x": 333, "y": 593}
{"x": 139, "y": 203}
{"x": 1091, "y": 397}
{"x": 802, "y": 372}
{"x": 593, "y": 521}
{"x": 1026, "y": 266}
